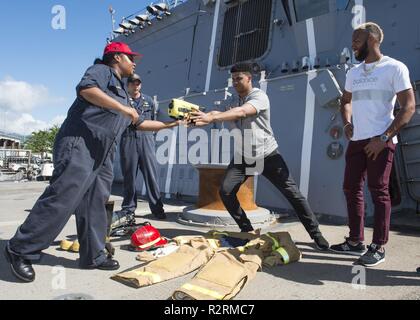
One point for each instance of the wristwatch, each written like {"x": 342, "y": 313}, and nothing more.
{"x": 384, "y": 138}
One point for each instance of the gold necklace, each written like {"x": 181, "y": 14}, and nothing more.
{"x": 369, "y": 71}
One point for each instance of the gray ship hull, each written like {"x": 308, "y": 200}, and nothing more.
{"x": 184, "y": 57}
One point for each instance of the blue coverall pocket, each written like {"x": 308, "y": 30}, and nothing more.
{"x": 63, "y": 151}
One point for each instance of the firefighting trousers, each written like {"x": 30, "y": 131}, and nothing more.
{"x": 223, "y": 271}
{"x": 187, "y": 258}
{"x": 224, "y": 276}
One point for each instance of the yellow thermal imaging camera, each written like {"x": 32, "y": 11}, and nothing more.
{"x": 180, "y": 109}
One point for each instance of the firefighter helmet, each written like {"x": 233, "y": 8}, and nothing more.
{"x": 147, "y": 237}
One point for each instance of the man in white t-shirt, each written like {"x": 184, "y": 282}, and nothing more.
{"x": 367, "y": 106}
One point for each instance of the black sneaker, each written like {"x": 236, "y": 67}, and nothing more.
{"x": 347, "y": 248}
{"x": 418, "y": 269}
{"x": 159, "y": 215}
{"x": 372, "y": 257}
{"x": 321, "y": 243}
{"x": 120, "y": 223}
{"x": 122, "y": 218}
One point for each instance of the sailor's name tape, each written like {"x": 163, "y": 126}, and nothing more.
{"x": 155, "y": 277}
{"x": 207, "y": 292}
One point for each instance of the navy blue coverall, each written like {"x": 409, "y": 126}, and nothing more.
{"x": 137, "y": 151}
{"x": 83, "y": 153}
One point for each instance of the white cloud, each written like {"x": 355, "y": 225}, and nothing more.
{"x": 18, "y": 99}
{"x": 22, "y": 96}
{"x": 58, "y": 120}
{"x": 25, "y": 123}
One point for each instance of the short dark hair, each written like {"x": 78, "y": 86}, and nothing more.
{"x": 109, "y": 58}
{"x": 242, "y": 67}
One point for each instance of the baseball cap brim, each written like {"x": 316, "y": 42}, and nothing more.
{"x": 135, "y": 77}
{"x": 135, "y": 54}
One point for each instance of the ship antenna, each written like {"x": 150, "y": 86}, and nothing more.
{"x": 112, "y": 13}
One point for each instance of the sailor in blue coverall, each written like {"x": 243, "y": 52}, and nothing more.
{"x": 137, "y": 150}
{"x": 83, "y": 154}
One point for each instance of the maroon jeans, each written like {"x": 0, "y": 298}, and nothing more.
{"x": 358, "y": 166}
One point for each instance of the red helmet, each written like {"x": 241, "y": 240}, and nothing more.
{"x": 147, "y": 237}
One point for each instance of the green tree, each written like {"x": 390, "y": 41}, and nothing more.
{"x": 42, "y": 141}
{"x": 52, "y": 132}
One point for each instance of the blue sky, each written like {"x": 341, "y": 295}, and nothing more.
{"x": 40, "y": 66}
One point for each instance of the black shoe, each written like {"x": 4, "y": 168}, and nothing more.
{"x": 21, "y": 268}
{"x": 347, "y": 248}
{"x": 131, "y": 219}
{"x": 418, "y": 269}
{"x": 121, "y": 223}
{"x": 122, "y": 218}
{"x": 321, "y": 243}
{"x": 160, "y": 215}
{"x": 108, "y": 264}
{"x": 372, "y": 257}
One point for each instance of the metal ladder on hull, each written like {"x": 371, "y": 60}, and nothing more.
{"x": 410, "y": 148}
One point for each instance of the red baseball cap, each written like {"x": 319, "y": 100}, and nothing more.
{"x": 120, "y": 47}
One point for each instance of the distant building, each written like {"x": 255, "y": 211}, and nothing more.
{"x": 10, "y": 140}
